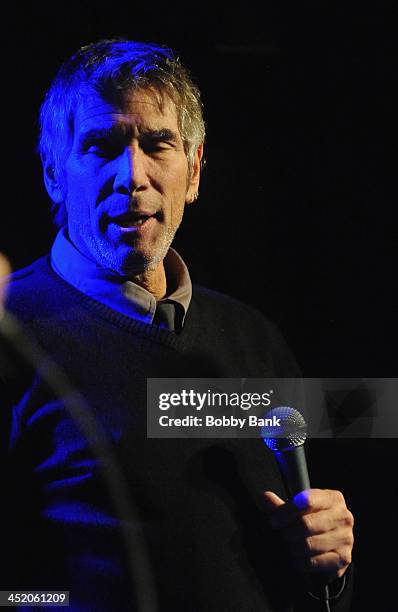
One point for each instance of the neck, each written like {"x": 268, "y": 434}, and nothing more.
{"x": 153, "y": 281}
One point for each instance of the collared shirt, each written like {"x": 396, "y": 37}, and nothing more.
{"x": 121, "y": 294}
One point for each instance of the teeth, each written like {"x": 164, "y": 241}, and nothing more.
{"x": 135, "y": 222}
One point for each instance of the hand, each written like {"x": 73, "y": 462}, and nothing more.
{"x": 5, "y": 269}
{"x": 318, "y": 526}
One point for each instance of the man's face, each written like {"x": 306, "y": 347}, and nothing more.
{"x": 126, "y": 181}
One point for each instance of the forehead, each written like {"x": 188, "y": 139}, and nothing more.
{"x": 141, "y": 109}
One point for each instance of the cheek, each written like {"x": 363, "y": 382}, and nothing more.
{"x": 82, "y": 177}
{"x": 176, "y": 215}
{"x": 81, "y": 192}
{"x": 176, "y": 189}
{"x": 171, "y": 176}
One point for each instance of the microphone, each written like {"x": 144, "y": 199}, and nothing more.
{"x": 285, "y": 437}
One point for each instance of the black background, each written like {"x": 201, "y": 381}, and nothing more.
{"x": 295, "y": 213}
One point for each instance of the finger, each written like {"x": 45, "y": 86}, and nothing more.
{"x": 313, "y": 500}
{"x": 332, "y": 563}
{"x": 337, "y": 540}
{"x": 284, "y": 513}
{"x": 307, "y": 502}
{"x": 319, "y": 522}
{"x": 272, "y": 500}
{"x": 281, "y": 512}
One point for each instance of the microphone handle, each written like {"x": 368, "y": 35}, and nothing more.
{"x": 293, "y": 467}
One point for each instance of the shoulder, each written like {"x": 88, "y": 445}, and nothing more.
{"x": 229, "y": 307}
{"x": 32, "y": 288}
{"x": 245, "y": 327}
{"x": 211, "y": 296}
{"x": 30, "y": 274}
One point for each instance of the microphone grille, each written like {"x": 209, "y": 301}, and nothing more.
{"x": 285, "y": 428}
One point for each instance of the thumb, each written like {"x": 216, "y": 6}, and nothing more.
{"x": 272, "y": 500}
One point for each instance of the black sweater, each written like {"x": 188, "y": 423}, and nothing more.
{"x": 198, "y": 501}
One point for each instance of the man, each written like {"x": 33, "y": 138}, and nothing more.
{"x": 121, "y": 142}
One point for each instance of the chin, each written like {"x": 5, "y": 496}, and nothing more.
{"x": 127, "y": 261}
{"x": 138, "y": 263}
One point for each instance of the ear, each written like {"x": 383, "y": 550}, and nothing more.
{"x": 193, "y": 185}
{"x": 50, "y": 181}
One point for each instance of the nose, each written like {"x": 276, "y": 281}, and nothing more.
{"x": 130, "y": 172}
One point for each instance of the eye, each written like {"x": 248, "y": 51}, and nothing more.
{"x": 156, "y": 147}
{"x": 155, "y": 144}
{"x": 104, "y": 149}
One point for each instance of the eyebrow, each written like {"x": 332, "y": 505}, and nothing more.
{"x": 98, "y": 134}
{"x": 161, "y": 134}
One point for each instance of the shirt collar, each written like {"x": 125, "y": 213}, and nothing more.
{"x": 116, "y": 291}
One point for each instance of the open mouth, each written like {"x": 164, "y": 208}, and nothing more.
{"x": 133, "y": 219}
